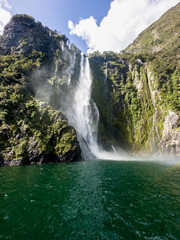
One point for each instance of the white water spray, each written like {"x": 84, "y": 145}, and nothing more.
{"x": 84, "y": 115}
{"x": 85, "y": 110}
{"x": 62, "y": 45}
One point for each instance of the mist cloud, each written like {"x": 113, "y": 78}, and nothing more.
{"x": 125, "y": 20}
{"x": 5, "y": 14}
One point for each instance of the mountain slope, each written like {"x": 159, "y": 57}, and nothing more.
{"x": 143, "y": 96}
{"x": 164, "y": 34}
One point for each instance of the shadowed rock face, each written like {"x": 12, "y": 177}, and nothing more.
{"x": 21, "y": 35}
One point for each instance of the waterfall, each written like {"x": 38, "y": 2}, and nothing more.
{"x": 62, "y": 45}
{"x": 152, "y": 142}
{"x": 83, "y": 113}
{"x": 152, "y": 135}
{"x": 106, "y": 73}
{"x": 85, "y": 110}
{"x": 105, "y": 78}
{"x": 70, "y": 69}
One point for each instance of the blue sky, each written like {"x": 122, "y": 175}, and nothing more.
{"x": 103, "y": 25}
{"x": 56, "y": 13}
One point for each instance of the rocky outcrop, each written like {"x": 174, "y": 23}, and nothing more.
{"x": 170, "y": 142}
{"x": 22, "y": 35}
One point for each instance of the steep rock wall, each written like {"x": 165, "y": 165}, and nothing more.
{"x": 132, "y": 108}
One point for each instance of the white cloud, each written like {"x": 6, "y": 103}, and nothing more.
{"x": 125, "y": 20}
{"x": 5, "y": 15}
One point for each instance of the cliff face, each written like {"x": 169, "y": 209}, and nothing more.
{"x": 34, "y": 63}
{"x": 141, "y": 89}
{"x": 129, "y": 113}
{"x": 138, "y": 115}
{"x": 137, "y": 92}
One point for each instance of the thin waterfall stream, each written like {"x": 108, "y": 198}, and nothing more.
{"x": 154, "y": 125}
{"x": 71, "y": 68}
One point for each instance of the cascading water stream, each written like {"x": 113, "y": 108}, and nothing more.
{"x": 152, "y": 142}
{"x": 86, "y": 113}
{"x": 83, "y": 115}
{"x": 71, "y": 68}
{"x": 105, "y": 79}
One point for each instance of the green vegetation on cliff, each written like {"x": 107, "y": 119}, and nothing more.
{"x": 159, "y": 46}
{"x": 164, "y": 34}
{"x": 31, "y": 130}
{"x": 128, "y": 113}
{"x": 139, "y": 86}
{"x": 136, "y": 91}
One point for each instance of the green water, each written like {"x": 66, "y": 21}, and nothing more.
{"x": 91, "y": 200}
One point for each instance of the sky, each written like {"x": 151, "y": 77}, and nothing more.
{"x": 95, "y": 25}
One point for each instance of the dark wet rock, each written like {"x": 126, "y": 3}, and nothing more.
{"x": 1, "y": 160}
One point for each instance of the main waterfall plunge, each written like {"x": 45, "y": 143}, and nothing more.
{"x": 83, "y": 115}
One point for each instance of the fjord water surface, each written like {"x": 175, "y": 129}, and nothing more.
{"x": 91, "y": 200}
